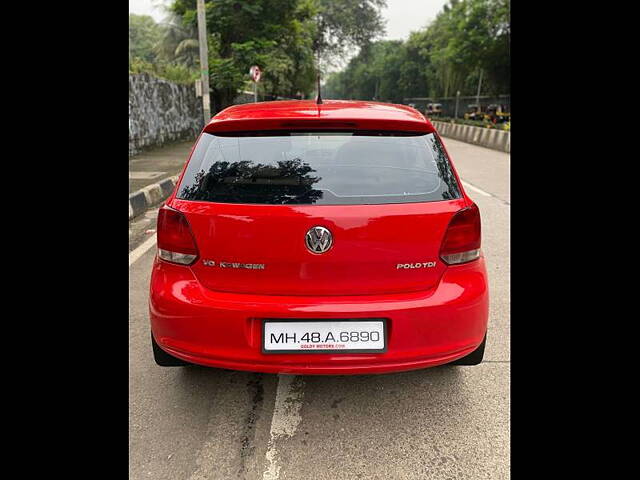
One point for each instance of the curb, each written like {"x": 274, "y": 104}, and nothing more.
{"x": 147, "y": 197}
{"x": 485, "y": 137}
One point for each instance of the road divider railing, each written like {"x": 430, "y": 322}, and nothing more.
{"x": 151, "y": 195}
{"x": 485, "y": 137}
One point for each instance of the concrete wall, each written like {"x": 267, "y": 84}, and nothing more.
{"x": 161, "y": 112}
{"x": 485, "y": 137}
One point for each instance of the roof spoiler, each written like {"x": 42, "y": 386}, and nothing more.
{"x": 246, "y": 124}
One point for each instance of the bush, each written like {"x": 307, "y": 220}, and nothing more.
{"x": 168, "y": 71}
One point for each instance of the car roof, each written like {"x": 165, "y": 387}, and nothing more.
{"x": 331, "y": 115}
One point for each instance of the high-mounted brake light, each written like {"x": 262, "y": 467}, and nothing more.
{"x": 175, "y": 240}
{"x": 461, "y": 242}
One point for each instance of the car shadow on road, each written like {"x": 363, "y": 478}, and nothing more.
{"x": 443, "y": 384}
{"x": 197, "y": 375}
{"x": 437, "y": 389}
{"x": 438, "y": 384}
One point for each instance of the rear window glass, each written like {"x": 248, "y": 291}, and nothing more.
{"x": 322, "y": 168}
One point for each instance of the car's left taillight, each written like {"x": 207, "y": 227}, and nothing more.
{"x": 175, "y": 239}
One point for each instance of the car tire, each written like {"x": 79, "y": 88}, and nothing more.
{"x": 163, "y": 359}
{"x": 475, "y": 357}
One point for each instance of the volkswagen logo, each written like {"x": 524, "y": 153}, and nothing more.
{"x": 318, "y": 239}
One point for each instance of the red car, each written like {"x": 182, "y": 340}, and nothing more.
{"x": 331, "y": 238}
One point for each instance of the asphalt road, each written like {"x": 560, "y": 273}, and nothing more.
{"x": 441, "y": 423}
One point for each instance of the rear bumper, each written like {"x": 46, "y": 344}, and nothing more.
{"x": 224, "y": 330}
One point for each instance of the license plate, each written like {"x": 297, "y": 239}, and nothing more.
{"x": 323, "y": 336}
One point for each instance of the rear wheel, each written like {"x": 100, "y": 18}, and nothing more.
{"x": 475, "y": 357}
{"x": 163, "y": 359}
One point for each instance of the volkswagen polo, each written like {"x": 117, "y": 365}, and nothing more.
{"x": 307, "y": 238}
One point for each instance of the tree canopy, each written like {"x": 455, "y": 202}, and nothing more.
{"x": 282, "y": 37}
{"x": 286, "y": 38}
{"x": 342, "y": 25}
{"x": 144, "y": 34}
{"x": 466, "y": 38}
{"x": 161, "y": 49}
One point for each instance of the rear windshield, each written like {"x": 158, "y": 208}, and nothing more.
{"x": 322, "y": 168}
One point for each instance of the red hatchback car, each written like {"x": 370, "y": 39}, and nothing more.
{"x": 331, "y": 238}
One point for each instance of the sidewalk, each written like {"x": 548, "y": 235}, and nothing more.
{"x": 153, "y": 166}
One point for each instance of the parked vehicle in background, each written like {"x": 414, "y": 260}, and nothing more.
{"x": 497, "y": 114}
{"x": 434, "y": 109}
{"x": 474, "y": 112}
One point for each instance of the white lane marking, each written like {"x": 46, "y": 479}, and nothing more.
{"x": 285, "y": 420}
{"x": 141, "y": 249}
{"x": 476, "y": 189}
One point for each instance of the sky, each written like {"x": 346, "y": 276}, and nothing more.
{"x": 403, "y": 16}
{"x": 148, "y": 7}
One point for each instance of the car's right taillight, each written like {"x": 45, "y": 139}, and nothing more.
{"x": 175, "y": 240}
{"x": 461, "y": 242}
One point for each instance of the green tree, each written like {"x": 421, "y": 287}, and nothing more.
{"x": 272, "y": 34}
{"x": 178, "y": 43}
{"x": 469, "y": 36}
{"x": 415, "y": 74}
{"x": 378, "y": 72}
{"x": 144, "y": 33}
{"x": 466, "y": 38}
{"x": 282, "y": 37}
{"x": 342, "y": 25}
{"x": 163, "y": 50}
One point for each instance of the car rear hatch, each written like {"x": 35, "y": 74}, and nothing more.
{"x": 385, "y": 198}
{"x": 376, "y": 249}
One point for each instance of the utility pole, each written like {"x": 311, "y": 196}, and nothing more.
{"x": 478, "y": 94}
{"x": 204, "y": 61}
